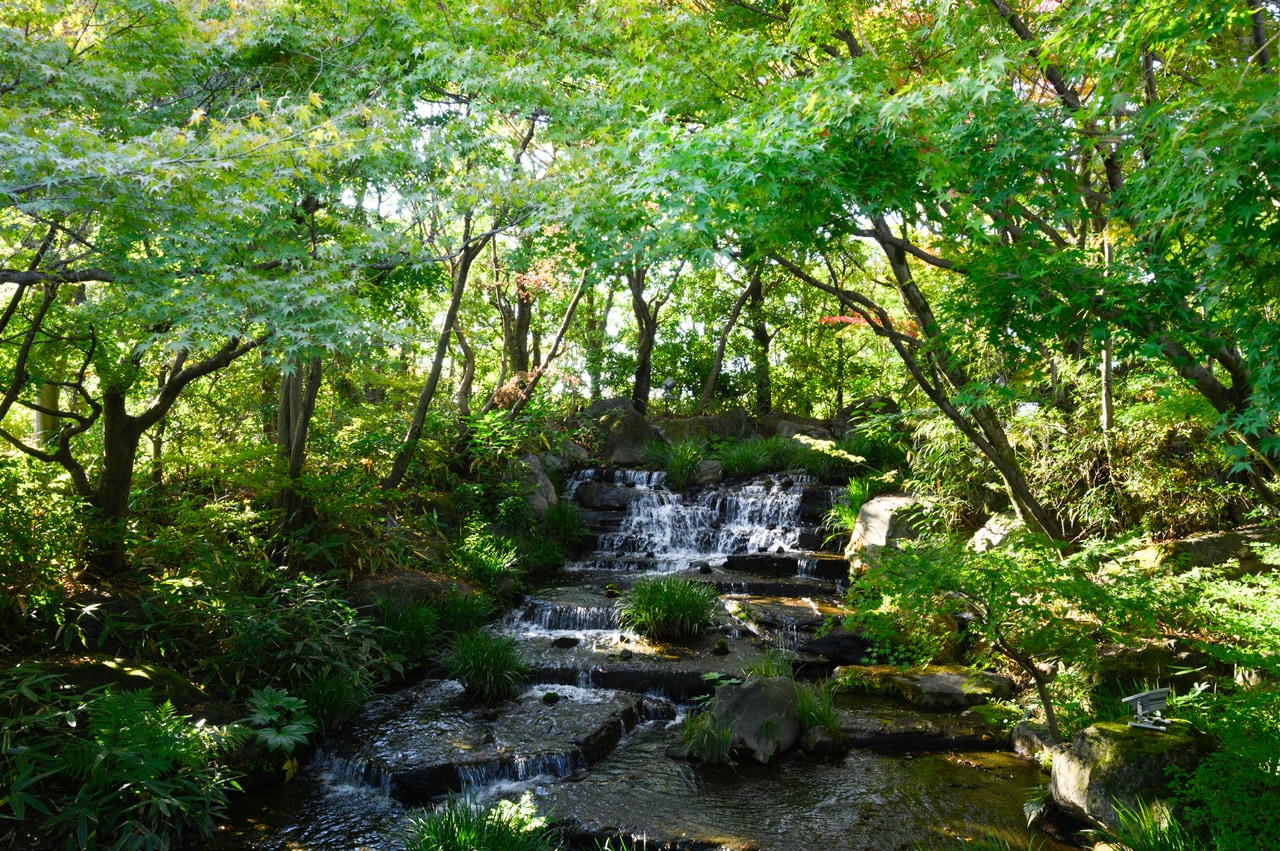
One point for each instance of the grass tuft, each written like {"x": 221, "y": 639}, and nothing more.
{"x": 668, "y": 607}
{"x": 489, "y": 667}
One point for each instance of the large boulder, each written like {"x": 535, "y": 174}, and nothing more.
{"x": 626, "y": 432}
{"x": 1213, "y": 549}
{"x": 540, "y": 493}
{"x": 882, "y": 522}
{"x": 600, "y": 496}
{"x": 770, "y": 423}
{"x": 1112, "y": 765}
{"x": 762, "y": 715}
{"x": 788, "y": 428}
{"x": 993, "y": 533}
{"x": 734, "y": 424}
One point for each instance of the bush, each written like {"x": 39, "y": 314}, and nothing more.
{"x": 411, "y": 627}
{"x": 487, "y": 560}
{"x": 746, "y": 458}
{"x": 461, "y": 824}
{"x": 816, "y": 705}
{"x": 489, "y": 667}
{"x": 680, "y": 459}
{"x": 100, "y": 770}
{"x": 462, "y": 613}
{"x": 563, "y": 523}
{"x": 668, "y": 608}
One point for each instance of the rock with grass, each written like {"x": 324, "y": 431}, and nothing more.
{"x": 762, "y": 715}
{"x": 1111, "y": 765}
{"x": 932, "y": 687}
{"x": 626, "y": 433}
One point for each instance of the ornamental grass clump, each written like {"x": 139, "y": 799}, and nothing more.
{"x": 489, "y": 667}
{"x": 668, "y": 608}
{"x": 462, "y": 824}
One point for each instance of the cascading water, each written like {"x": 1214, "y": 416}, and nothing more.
{"x": 589, "y": 739}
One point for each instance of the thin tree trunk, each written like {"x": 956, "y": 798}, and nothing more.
{"x": 411, "y": 438}
{"x": 646, "y": 332}
{"x": 298, "y": 392}
{"x": 541, "y": 370}
{"x": 760, "y": 356}
{"x": 468, "y": 373}
{"x": 717, "y": 363}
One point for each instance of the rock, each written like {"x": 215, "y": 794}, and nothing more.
{"x": 710, "y": 472}
{"x": 933, "y": 687}
{"x": 815, "y": 502}
{"x": 625, "y": 654}
{"x": 564, "y": 642}
{"x": 721, "y": 648}
{"x": 769, "y": 423}
{"x": 859, "y": 411}
{"x": 1128, "y": 670}
{"x": 540, "y": 493}
{"x": 566, "y": 456}
{"x": 1030, "y": 740}
{"x": 734, "y": 424}
{"x": 701, "y": 566}
{"x": 823, "y": 742}
{"x": 840, "y": 647}
{"x": 993, "y": 533}
{"x": 1112, "y": 764}
{"x": 602, "y": 497}
{"x": 551, "y": 698}
{"x": 787, "y": 428}
{"x": 880, "y": 730}
{"x": 882, "y": 522}
{"x": 1216, "y": 548}
{"x": 600, "y": 407}
{"x": 762, "y": 716}
{"x": 626, "y": 435}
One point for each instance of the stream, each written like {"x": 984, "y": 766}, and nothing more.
{"x": 589, "y": 739}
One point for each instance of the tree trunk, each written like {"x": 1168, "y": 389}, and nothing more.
{"x": 596, "y": 332}
{"x": 468, "y": 373}
{"x": 760, "y": 355}
{"x": 646, "y": 332}
{"x": 717, "y": 363}
{"x": 409, "y": 444}
{"x": 298, "y": 391}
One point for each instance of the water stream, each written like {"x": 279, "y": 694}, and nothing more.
{"x": 589, "y": 739}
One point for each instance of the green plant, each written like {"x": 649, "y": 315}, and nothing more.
{"x": 461, "y": 612}
{"x": 488, "y": 560}
{"x": 100, "y": 770}
{"x": 745, "y": 458}
{"x": 489, "y": 667}
{"x": 411, "y": 627}
{"x": 539, "y": 557}
{"x": 668, "y": 607}
{"x": 1148, "y": 829}
{"x": 281, "y": 719}
{"x": 682, "y": 463}
{"x": 772, "y": 663}
{"x": 816, "y": 706}
{"x": 564, "y": 524}
{"x": 708, "y": 740}
{"x": 461, "y": 824}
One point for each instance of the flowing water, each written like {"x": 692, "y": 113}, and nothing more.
{"x": 589, "y": 740}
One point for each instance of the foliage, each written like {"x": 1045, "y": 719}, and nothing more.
{"x": 746, "y": 458}
{"x": 816, "y": 705}
{"x": 843, "y": 515}
{"x": 564, "y": 524}
{"x": 679, "y": 458}
{"x": 462, "y": 824}
{"x": 668, "y": 608}
{"x": 1146, "y": 829}
{"x": 40, "y": 530}
{"x": 488, "y": 560}
{"x": 489, "y": 667}
{"x": 708, "y": 740}
{"x": 411, "y": 627}
{"x": 772, "y": 663}
{"x": 281, "y": 720}
{"x": 104, "y": 770}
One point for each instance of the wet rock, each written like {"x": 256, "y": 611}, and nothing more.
{"x": 710, "y": 472}
{"x": 1112, "y": 764}
{"x": 823, "y": 742}
{"x": 762, "y": 715}
{"x": 880, "y": 729}
{"x": 815, "y": 502}
{"x": 564, "y": 642}
{"x": 721, "y": 648}
{"x": 551, "y": 698}
{"x": 625, "y": 654}
{"x": 598, "y": 496}
{"x": 840, "y": 647}
{"x": 701, "y": 566}
{"x": 789, "y": 428}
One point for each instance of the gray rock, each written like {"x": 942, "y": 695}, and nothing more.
{"x": 993, "y": 533}
{"x": 788, "y": 428}
{"x": 735, "y": 424}
{"x": 952, "y": 688}
{"x": 882, "y": 522}
{"x": 710, "y": 472}
{"x": 762, "y": 715}
{"x": 823, "y": 742}
{"x": 1030, "y": 740}
{"x": 599, "y": 496}
{"x": 1112, "y": 764}
{"x": 540, "y": 493}
{"x": 626, "y": 434}
{"x": 600, "y": 407}
{"x": 769, "y": 422}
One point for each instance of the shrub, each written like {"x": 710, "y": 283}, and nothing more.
{"x": 746, "y": 458}
{"x": 489, "y": 667}
{"x": 97, "y": 770}
{"x": 668, "y": 607}
{"x": 680, "y": 459}
{"x": 539, "y": 557}
{"x": 461, "y": 824}
{"x": 462, "y": 613}
{"x": 411, "y": 627}
{"x": 487, "y": 560}
{"x": 816, "y": 706}
{"x": 563, "y": 524}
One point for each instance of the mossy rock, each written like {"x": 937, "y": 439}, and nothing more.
{"x": 933, "y": 687}
{"x": 1111, "y": 764}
